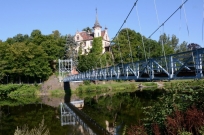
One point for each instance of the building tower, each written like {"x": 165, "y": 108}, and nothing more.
{"x": 97, "y": 27}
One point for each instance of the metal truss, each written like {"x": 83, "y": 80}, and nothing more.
{"x": 84, "y": 120}
{"x": 65, "y": 67}
{"x": 185, "y": 65}
{"x": 69, "y": 117}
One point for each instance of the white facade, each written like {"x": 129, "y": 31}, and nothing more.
{"x": 85, "y": 39}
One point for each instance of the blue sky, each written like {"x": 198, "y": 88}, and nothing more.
{"x": 68, "y": 16}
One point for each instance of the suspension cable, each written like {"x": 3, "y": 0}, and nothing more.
{"x": 118, "y": 32}
{"x": 203, "y": 23}
{"x": 186, "y": 22}
{"x": 141, "y": 35}
{"x": 168, "y": 18}
{"x": 155, "y": 6}
{"x": 121, "y": 59}
{"x": 125, "y": 19}
{"x": 164, "y": 53}
{"x": 112, "y": 57}
{"x": 180, "y": 24}
{"x": 163, "y": 49}
{"x": 129, "y": 45}
{"x": 184, "y": 10}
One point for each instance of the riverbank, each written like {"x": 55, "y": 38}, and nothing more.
{"x": 55, "y": 88}
{"x": 106, "y": 86}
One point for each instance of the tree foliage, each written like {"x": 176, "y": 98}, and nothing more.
{"x": 27, "y": 58}
{"x": 70, "y": 48}
{"x": 87, "y": 29}
{"x": 92, "y": 59}
{"x": 130, "y": 46}
{"x": 193, "y": 46}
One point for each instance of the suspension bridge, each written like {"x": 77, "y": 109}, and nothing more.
{"x": 184, "y": 65}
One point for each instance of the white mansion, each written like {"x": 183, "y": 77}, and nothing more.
{"x": 85, "y": 39}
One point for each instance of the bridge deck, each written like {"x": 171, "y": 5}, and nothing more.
{"x": 183, "y": 65}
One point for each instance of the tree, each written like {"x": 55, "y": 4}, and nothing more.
{"x": 25, "y": 58}
{"x": 125, "y": 48}
{"x": 171, "y": 43}
{"x": 92, "y": 59}
{"x": 96, "y": 46}
{"x": 37, "y": 37}
{"x": 37, "y": 64}
{"x": 3, "y": 62}
{"x": 182, "y": 47}
{"x": 87, "y": 29}
{"x": 56, "y": 34}
{"x": 193, "y": 46}
{"x": 70, "y": 50}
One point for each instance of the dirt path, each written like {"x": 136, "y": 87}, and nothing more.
{"x": 51, "y": 84}
{"x": 160, "y": 84}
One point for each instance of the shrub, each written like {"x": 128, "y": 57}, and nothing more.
{"x": 86, "y": 82}
{"x": 41, "y": 130}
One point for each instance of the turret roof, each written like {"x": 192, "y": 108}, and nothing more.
{"x": 96, "y": 22}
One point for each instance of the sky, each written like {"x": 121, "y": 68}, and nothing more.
{"x": 68, "y": 16}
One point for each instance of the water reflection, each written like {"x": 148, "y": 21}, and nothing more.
{"x": 18, "y": 112}
{"x": 112, "y": 111}
{"x": 116, "y": 111}
{"x": 71, "y": 115}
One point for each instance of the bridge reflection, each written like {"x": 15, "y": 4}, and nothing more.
{"x": 71, "y": 115}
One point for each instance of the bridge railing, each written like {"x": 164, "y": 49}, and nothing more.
{"x": 176, "y": 66}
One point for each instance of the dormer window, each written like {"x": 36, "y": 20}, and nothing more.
{"x": 77, "y": 37}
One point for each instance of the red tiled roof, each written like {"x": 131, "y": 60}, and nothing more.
{"x": 102, "y": 33}
{"x": 87, "y": 36}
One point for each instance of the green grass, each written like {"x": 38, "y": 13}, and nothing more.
{"x": 113, "y": 86}
{"x": 122, "y": 86}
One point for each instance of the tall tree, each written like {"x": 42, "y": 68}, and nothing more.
{"x": 56, "y": 34}
{"x": 92, "y": 59}
{"x": 182, "y": 47}
{"x": 127, "y": 46}
{"x": 37, "y": 37}
{"x": 169, "y": 42}
{"x": 193, "y": 46}
{"x": 70, "y": 50}
{"x": 87, "y": 29}
{"x": 3, "y": 62}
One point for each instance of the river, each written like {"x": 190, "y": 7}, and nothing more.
{"x": 113, "y": 111}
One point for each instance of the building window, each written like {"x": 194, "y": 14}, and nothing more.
{"x": 98, "y": 34}
{"x": 77, "y": 37}
{"x": 91, "y": 42}
{"x": 106, "y": 37}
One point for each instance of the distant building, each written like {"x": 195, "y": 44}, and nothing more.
{"x": 85, "y": 39}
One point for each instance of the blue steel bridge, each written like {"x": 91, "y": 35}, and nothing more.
{"x": 184, "y": 65}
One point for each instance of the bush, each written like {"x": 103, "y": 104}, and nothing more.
{"x": 6, "y": 89}
{"x": 86, "y": 82}
{"x": 41, "y": 130}
{"x": 24, "y": 90}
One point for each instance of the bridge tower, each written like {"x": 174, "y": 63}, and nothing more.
{"x": 69, "y": 64}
